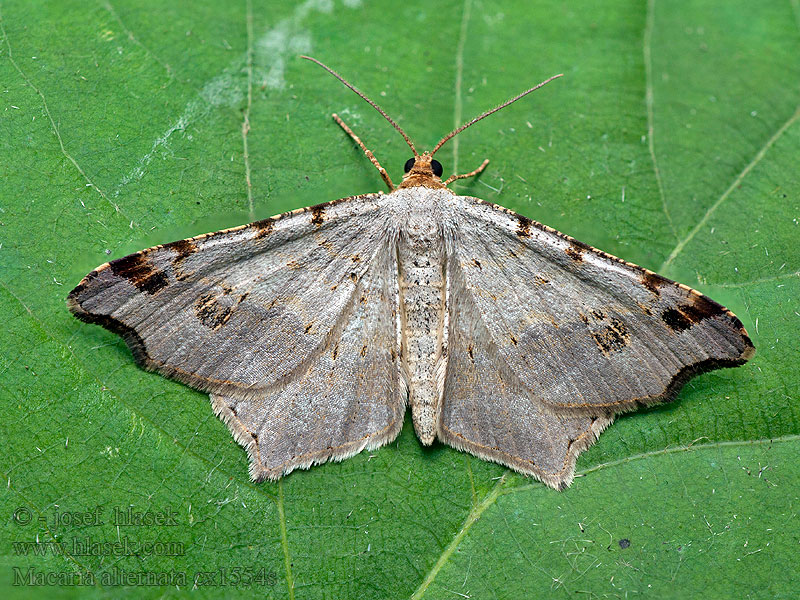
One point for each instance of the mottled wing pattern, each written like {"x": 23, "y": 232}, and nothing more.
{"x": 548, "y": 334}
{"x": 263, "y": 317}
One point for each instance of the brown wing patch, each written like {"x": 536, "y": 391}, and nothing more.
{"x": 703, "y": 307}
{"x": 214, "y": 310}
{"x": 137, "y": 269}
{"x": 523, "y": 226}
{"x": 610, "y": 337}
{"x": 686, "y": 315}
{"x": 653, "y": 281}
{"x": 613, "y": 337}
{"x": 318, "y": 214}
{"x": 675, "y": 319}
{"x": 263, "y": 228}
{"x": 575, "y": 251}
{"x": 181, "y": 248}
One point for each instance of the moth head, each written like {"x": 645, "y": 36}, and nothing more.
{"x": 422, "y": 170}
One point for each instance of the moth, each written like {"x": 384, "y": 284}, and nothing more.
{"x": 315, "y": 329}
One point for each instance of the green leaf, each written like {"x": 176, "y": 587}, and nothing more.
{"x": 672, "y": 142}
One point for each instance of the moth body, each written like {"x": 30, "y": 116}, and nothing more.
{"x": 422, "y": 292}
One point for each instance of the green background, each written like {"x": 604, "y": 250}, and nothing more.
{"x": 672, "y": 141}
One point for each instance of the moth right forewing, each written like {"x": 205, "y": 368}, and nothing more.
{"x": 583, "y": 329}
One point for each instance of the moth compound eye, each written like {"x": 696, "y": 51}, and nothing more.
{"x": 437, "y": 168}
{"x": 409, "y": 165}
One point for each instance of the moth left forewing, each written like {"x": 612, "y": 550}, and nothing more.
{"x": 289, "y": 323}
{"x": 240, "y": 309}
{"x": 580, "y": 328}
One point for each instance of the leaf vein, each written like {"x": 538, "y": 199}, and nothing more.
{"x": 246, "y": 112}
{"x": 649, "y": 102}
{"x": 472, "y": 517}
{"x": 53, "y": 125}
{"x": 458, "y": 104}
{"x": 666, "y": 451}
{"x": 135, "y": 40}
{"x": 287, "y": 558}
{"x": 739, "y": 178}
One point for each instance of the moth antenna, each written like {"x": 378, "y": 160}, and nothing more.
{"x": 365, "y": 98}
{"x": 488, "y": 112}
